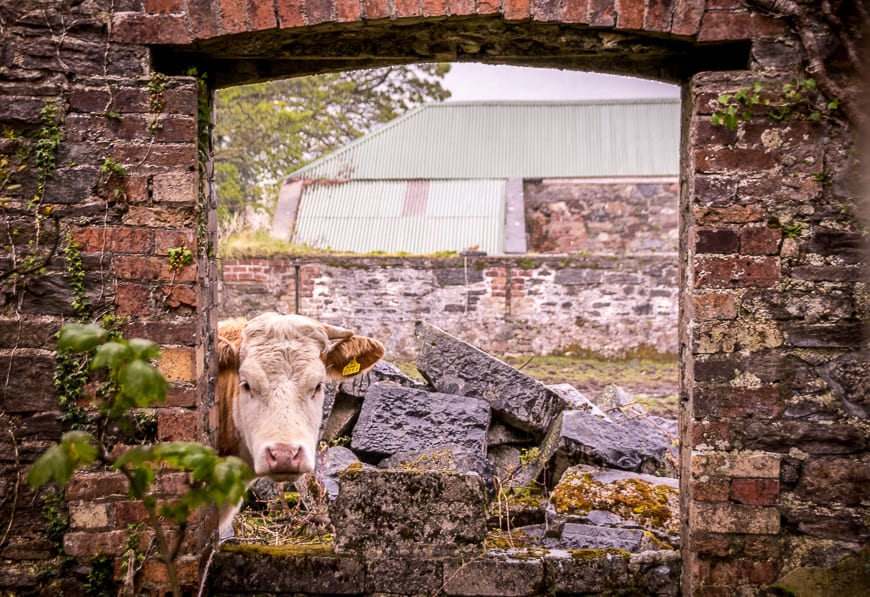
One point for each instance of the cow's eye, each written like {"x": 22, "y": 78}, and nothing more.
{"x": 317, "y": 389}
{"x": 245, "y": 386}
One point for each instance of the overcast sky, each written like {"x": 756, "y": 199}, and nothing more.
{"x": 479, "y": 82}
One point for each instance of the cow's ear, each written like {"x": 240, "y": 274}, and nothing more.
{"x": 228, "y": 354}
{"x": 353, "y": 356}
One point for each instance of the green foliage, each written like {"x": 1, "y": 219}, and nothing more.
{"x": 134, "y": 383}
{"x": 265, "y": 131}
{"x": 100, "y": 582}
{"x": 793, "y": 230}
{"x": 45, "y": 147}
{"x": 156, "y": 88}
{"x": 112, "y": 174}
{"x": 179, "y": 258}
{"x": 56, "y": 521}
{"x": 798, "y": 98}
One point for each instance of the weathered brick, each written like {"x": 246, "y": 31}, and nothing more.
{"x": 734, "y": 518}
{"x": 178, "y": 364}
{"x": 320, "y": 11}
{"x": 155, "y": 29}
{"x": 712, "y": 544}
{"x": 719, "y": 159}
{"x": 740, "y": 572}
{"x": 133, "y": 299}
{"x": 517, "y": 10}
{"x": 602, "y": 13}
{"x": 658, "y": 15}
{"x": 290, "y": 13}
{"x": 142, "y": 268}
{"x": 88, "y": 515}
{"x": 727, "y": 402}
{"x": 350, "y": 11}
{"x": 235, "y": 18}
{"x": 376, "y": 9}
{"x": 576, "y": 11}
{"x": 839, "y": 335}
{"x": 164, "y": 6}
{"x": 178, "y": 295}
{"x": 176, "y": 425}
{"x": 93, "y": 485}
{"x": 713, "y": 305}
{"x": 175, "y": 187}
{"x": 712, "y": 490}
{"x": 261, "y": 15}
{"x": 736, "y": 272}
{"x": 687, "y": 17}
{"x": 182, "y": 395}
{"x": 113, "y": 239}
{"x": 461, "y": 7}
{"x": 835, "y": 480}
{"x": 725, "y": 25}
{"x": 85, "y": 544}
{"x": 165, "y": 239}
{"x": 186, "y": 569}
{"x": 546, "y": 10}
{"x": 710, "y": 433}
{"x": 760, "y": 240}
{"x": 720, "y": 240}
{"x": 629, "y": 14}
{"x": 494, "y": 578}
{"x": 206, "y": 15}
{"x": 735, "y": 214}
{"x": 755, "y": 492}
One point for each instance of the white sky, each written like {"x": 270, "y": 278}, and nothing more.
{"x": 480, "y": 82}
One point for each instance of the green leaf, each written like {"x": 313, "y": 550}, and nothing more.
{"x": 716, "y": 119}
{"x": 134, "y": 457}
{"x": 724, "y": 99}
{"x": 815, "y": 116}
{"x": 833, "y": 104}
{"x": 80, "y": 447}
{"x": 144, "y": 349}
{"x": 54, "y": 465}
{"x": 111, "y": 355}
{"x": 142, "y": 383}
{"x": 731, "y": 122}
{"x": 78, "y": 337}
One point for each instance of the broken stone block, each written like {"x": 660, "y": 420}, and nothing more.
{"x": 342, "y": 416}
{"x": 448, "y": 457}
{"x": 413, "y": 514}
{"x": 381, "y": 372}
{"x": 586, "y": 571}
{"x": 575, "y": 400}
{"x": 586, "y": 439}
{"x": 332, "y": 462}
{"x": 588, "y": 495}
{"x": 404, "y": 576}
{"x": 656, "y": 572}
{"x": 396, "y": 419}
{"x": 586, "y": 536}
{"x": 455, "y": 367}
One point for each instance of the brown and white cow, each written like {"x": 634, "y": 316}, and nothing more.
{"x": 271, "y": 371}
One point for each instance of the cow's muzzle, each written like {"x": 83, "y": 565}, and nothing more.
{"x": 285, "y": 459}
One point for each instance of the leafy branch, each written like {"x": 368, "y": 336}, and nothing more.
{"x": 135, "y": 383}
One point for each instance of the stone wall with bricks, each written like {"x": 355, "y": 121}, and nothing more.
{"x": 613, "y": 305}
{"x": 97, "y": 148}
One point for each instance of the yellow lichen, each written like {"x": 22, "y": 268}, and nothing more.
{"x": 294, "y": 550}
{"x": 595, "y": 554}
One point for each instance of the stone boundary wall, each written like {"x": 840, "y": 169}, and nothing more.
{"x": 607, "y": 304}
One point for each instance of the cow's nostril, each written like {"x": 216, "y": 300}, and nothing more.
{"x": 285, "y": 458}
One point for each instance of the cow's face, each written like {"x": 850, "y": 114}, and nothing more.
{"x": 283, "y": 362}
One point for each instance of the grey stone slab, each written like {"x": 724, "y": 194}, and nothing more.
{"x": 382, "y": 371}
{"x": 404, "y": 576}
{"x": 587, "y": 536}
{"x": 447, "y": 457}
{"x": 343, "y": 414}
{"x": 397, "y": 419}
{"x": 494, "y": 577}
{"x": 392, "y": 513}
{"x": 241, "y": 569}
{"x": 581, "y": 572}
{"x": 456, "y": 367}
{"x": 575, "y": 399}
{"x": 586, "y": 439}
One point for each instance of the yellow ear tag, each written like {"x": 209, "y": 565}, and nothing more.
{"x": 351, "y": 368}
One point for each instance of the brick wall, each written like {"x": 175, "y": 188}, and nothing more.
{"x": 612, "y": 305}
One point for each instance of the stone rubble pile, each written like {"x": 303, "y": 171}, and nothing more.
{"x": 608, "y": 472}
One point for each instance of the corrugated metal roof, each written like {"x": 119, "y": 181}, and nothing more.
{"x": 515, "y": 139}
{"x": 410, "y": 216}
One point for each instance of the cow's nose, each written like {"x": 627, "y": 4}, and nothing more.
{"x": 285, "y": 458}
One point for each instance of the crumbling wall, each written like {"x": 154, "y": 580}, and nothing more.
{"x": 610, "y": 305}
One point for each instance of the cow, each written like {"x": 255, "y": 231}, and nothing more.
{"x": 271, "y": 371}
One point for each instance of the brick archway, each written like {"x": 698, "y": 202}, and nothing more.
{"x": 773, "y": 428}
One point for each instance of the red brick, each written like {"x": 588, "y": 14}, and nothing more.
{"x": 164, "y": 7}
{"x": 658, "y": 14}
{"x": 755, "y": 492}
{"x": 630, "y": 14}
{"x": 760, "y": 240}
{"x": 735, "y": 214}
{"x": 129, "y": 512}
{"x": 290, "y": 13}
{"x": 601, "y": 13}
{"x": 151, "y": 268}
{"x": 714, "y": 490}
{"x": 715, "y": 240}
{"x": 113, "y": 239}
{"x": 179, "y": 295}
{"x": 154, "y": 571}
{"x": 768, "y": 548}
{"x": 165, "y": 239}
{"x": 235, "y": 18}
{"x": 348, "y": 11}
{"x": 712, "y": 544}
{"x": 546, "y": 10}
{"x": 89, "y": 486}
{"x": 376, "y": 9}
{"x": 488, "y": 7}
{"x": 181, "y": 395}
{"x": 729, "y": 159}
{"x": 687, "y": 17}
{"x": 736, "y": 272}
{"x": 319, "y": 11}
{"x": 711, "y": 433}
{"x": 461, "y": 7}
{"x": 176, "y": 425}
{"x": 206, "y": 15}
{"x": 137, "y": 28}
{"x": 713, "y": 306}
{"x": 133, "y": 299}
{"x": 727, "y": 402}
{"x": 88, "y": 99}
{"x": 517, "y": 10}
{"x": 86, "y": 545}
{"x": 728, "y": 25}
{"x": 261, "y": 15}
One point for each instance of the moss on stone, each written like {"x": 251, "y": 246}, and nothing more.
{"x": 293, "y": 550}
{"x": 597, "y": 554}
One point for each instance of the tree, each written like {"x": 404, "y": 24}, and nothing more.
{"x": 266, "y": 130}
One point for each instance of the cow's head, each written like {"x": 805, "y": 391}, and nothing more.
{"x": 282, "y": 362}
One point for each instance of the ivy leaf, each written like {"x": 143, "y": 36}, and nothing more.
{"x": 110, "y": 355}
{"x": 142, "y": 383}
{"x": 144, "y": 349}
{"x": 731, "y": 121}
{"x": 80, "y": 337}
{"x": 716, "y": 119}
{"x": 53, "y": 465}
{"x": 724, "y": 99}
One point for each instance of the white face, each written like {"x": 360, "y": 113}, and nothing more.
{"x": 280, "y": 404}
